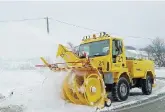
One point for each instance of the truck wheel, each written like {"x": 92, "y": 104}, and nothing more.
{"x": 147, "y": 85}
{"x": 120, "y": 91}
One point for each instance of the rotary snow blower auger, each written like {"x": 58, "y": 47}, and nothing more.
{"x": 84, "y": 83}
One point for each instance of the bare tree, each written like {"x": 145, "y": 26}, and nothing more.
{"x": 156, "y": 51}
{"x": 149, "y": 51}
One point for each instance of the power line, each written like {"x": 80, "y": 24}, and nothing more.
{"x": 30, "y": 19}
{"x": 78, "y": 26}
{"x": 20, "y": 20}
{"x": 141, "y": 37}
{"x": 70, "y": 24}
{"x": 74, "y": 25}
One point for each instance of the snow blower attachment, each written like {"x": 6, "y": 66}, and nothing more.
{"x": 100, "y": 67}
{"x": 84, "y": 83}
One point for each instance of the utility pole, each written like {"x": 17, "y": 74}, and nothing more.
{"x": 47, "y": 24}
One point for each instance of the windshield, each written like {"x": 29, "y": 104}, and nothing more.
{"x": 99, "y": 48}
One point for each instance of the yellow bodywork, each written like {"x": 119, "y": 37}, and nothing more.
{"x": 138, "y": 68}
{"x": 84, "y": 84}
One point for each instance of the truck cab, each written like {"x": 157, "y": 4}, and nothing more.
{"x": 120, "y": 74}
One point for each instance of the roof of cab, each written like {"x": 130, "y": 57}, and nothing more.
{"x": 94, "y": 38}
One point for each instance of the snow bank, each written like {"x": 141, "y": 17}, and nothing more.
{"x": 19, "y": 40}
{"x": 34, "y": 91}
{"x": 160, "y": 72}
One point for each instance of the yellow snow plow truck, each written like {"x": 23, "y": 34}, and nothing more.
{"x": 99, "y": 67}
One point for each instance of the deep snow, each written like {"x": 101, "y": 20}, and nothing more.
{"x": 33, "y": 91}
{"x": 39, "y": 91}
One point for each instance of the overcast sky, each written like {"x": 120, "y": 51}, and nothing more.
{"x": 144, "y": 19}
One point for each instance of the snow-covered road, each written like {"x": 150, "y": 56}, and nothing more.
{"x": 36, "y": 91}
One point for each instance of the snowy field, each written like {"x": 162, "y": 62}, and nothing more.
{"x": 39, "y": 91}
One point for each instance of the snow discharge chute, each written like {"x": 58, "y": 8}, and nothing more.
{"x": 83, "y": 83}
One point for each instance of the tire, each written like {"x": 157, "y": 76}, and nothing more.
{"x": 120, "y": 91}
{"x": 147, "y": 85}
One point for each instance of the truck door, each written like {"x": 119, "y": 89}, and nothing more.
{"x": 117, "y": 54}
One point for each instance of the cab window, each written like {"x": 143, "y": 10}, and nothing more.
{"x": 116, "y": 48}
